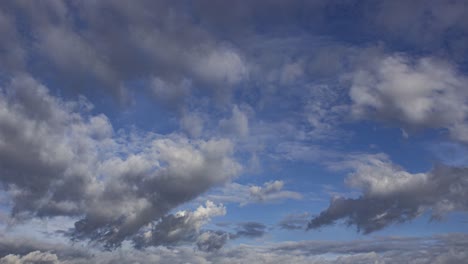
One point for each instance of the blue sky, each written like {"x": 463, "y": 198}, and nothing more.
{"x": 233, "y": 132}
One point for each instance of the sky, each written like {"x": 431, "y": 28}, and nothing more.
{"x": 263, "y": 131}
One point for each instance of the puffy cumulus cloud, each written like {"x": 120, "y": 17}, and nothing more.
{"x": 45, "y": 147}
{"x": 183, "y": 226}
{"x": 426, "y": 93}
{"x": 36, "y": 257}
{"x": 450, "y": 248}
{"x": 392, "y": 195}
{"x": 120, "y": 182}
{"x": 144, "y": 187}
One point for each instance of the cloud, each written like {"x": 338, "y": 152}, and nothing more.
{"x": 120, "y": 182}
{"x": 245, "y": 194}
{"x": 426, "y": 25}
{"x": 271, "y": 191}
{"x": 110, "y": 44}
{"x": 212, "y": 241}
{"x": 416, "y": 93}
{"x": 237, "y": 125}
{"x": 250, "y": 229}
{"x": 449, "y": 248}
{"x": 295, "y": 221}
{"x": 183, "y": 227}
{"x": 32, "y": 257}
{"x": 392, "y": 195}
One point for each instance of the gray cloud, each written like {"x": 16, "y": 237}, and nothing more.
{"x": 295, "y": 221}
{"x": 114, "y": 43}
{"x": 212, "y": 240}
{"x": 391, "y": 195}
{"x": 183, "y": 227}
{"x": 237, "y": 125}
{"x": 250, "y": 229}
{"x": 124, "y": 182}
{"x": 440, "y": 249}
{"x": 120, "y": 183}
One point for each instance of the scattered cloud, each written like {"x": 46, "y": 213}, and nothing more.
{"x": 295, "y": 221}
{"x": 417, "y": 93}
{"x": 114, "y": 116}
{"x": 245, "y": 194}
{"x": 392, "y": 195}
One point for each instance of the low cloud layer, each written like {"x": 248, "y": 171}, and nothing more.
{"x": 392, "y": 195}
{"x": 440, "y": 249}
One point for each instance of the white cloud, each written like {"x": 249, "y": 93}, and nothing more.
{"x": 426, "y": 93}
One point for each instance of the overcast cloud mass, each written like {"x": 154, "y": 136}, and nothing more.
{"x": 233, "y": 131}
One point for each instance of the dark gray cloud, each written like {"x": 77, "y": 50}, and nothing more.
{"x": 212, "y": 240}
{"x": 250, "y": 229}
{"x": 391, "y": 195}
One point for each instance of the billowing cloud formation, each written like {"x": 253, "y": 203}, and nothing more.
{"x": 119, "y": 183}
{"x": 392, "y": 195}
{"x": 184, "y": 226}
{"x": 426, "y": 93}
